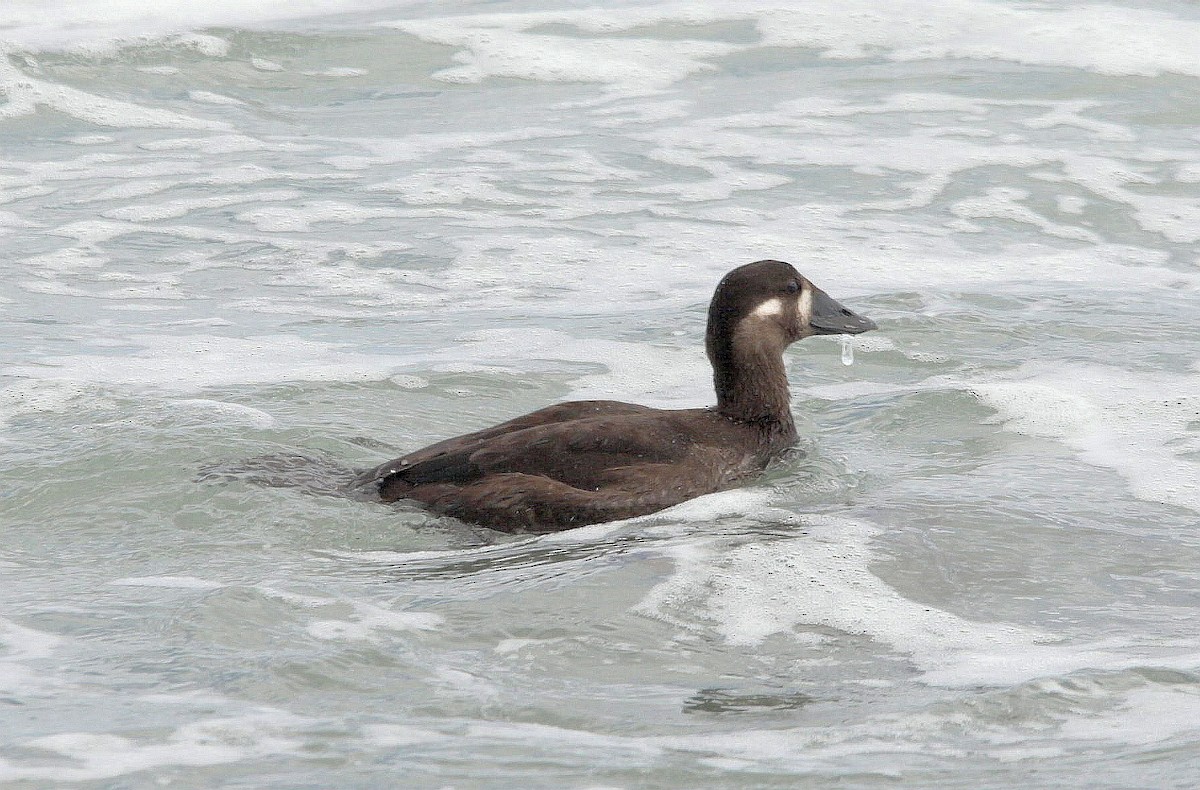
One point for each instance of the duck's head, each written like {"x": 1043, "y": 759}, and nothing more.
{"x": 770, "y": 304}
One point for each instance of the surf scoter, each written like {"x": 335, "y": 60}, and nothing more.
{"x": 585, "y": 462}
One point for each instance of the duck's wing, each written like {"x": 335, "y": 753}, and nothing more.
{"x": 585, "y": 453}
{"x": 444, "y": 461}
{"x": 588, "y": 453}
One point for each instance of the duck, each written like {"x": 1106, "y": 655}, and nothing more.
{"x": 594, "y": 461}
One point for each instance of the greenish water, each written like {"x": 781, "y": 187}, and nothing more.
{"x": 353, "y": 235}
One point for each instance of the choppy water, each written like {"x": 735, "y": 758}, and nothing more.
{"x": 230, "y": 229}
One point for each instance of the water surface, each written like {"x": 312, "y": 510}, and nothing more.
{"x": 359, "y": 228}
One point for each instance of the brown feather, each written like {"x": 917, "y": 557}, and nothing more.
{"x": 590, "y": 461}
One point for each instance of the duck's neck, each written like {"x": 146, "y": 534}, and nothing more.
{"x": 752, "y": 387}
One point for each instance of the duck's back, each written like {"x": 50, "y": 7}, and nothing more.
{"x": 578, "y": 463}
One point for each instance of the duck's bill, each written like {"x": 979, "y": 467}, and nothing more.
{"x": 829, "y": 317}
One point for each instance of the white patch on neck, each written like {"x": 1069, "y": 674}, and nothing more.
{"x": 769, "y": 309}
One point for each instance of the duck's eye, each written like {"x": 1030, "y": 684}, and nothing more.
{"x": 793, "y": 287}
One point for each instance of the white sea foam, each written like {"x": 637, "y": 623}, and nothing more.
{"x": 386, "y": 151}
{"x": 215, "y": 144}
{"x": 32, "y": 396}
{"x": 1140, "y": 717}
{"x": 452, "y": 186}
{"x": 559, "y": 738}
{"x": 935, "y": 159}
{"x": 709, "y": 508}
{"x": 9, "y": 219}
{"x": 837, "y": 238}
{"x": 663, "y": 375}
{"x": 337, "y": 72}
{"x": 64, "y": 24}
{"x": 91, "y": 756}
{"x": 391, "y": 736}
{"x": 369, "y": 620}
{"x": 170, "y": 582}
{"x": 130, "y": 189}
{"x": 171, "y": 209}
{"x": 457, "y": 683}
{"x": 1121, "y": 40}
{"x": 301, "y": 218}
{"x": 208, "y": 97}
{"x": 1141, "y": 424}
{"x": 388, "y": 558}
{"x": 192, "y": 362}
{"x": 1146, "y": 716}
{"x": 225, "y": 412}
{"x": 508, "y": 46}
{"x": 363, "y": 620}
{"x": 19, "y": 644}
{"x": 753, "y": 590}
{"x": 1068, "y": 113}
{"x": 208, "y": 45}
{"x": 509, "y": 646}
{"x": 26, "y": 94}
{"x": 262, "y": 64}
{"x": 1005, "y": 203}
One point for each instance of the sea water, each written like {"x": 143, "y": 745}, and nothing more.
{"x": 351, "y": 228}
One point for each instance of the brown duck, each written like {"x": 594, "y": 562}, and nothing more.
{"x": 585, "y": 462}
